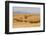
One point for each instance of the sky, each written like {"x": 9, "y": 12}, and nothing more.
{"x": 26, "y": 10}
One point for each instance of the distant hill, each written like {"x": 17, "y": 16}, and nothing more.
{"x": 14, "y": 13}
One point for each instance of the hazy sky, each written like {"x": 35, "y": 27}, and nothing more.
{"x": 26, "y": 10}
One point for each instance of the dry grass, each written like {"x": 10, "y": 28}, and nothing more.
{"x": 26, "y": 20}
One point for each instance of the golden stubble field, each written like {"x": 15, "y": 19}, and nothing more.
{"x": 26, "y": 20}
